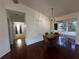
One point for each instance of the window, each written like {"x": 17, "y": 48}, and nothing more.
{"x": 67, "y": 25}
{"x": 62, "y": 25}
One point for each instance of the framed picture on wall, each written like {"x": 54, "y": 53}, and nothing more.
{"x": 62, "y": 25}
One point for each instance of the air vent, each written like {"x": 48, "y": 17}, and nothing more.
{"x": 16, "y": 1}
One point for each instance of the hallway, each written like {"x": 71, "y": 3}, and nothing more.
{"x": 41, "y": 51}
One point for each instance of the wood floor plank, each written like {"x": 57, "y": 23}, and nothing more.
{"x": 41, "y": 51}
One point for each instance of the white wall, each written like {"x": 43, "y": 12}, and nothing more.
{"x": 72, "y": 15}
{"x": 37, "y": 23}
{"x": 4, "y": 38}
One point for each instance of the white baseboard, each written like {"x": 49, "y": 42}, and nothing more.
{"x": 33, "y": 42}
{"x": 1, "y": 55}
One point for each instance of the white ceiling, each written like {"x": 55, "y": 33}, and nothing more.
{"x": 16, "y": 16}
{"x": 61, "y": 7}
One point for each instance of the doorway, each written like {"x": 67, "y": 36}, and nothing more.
{"x": 16, "y": 26}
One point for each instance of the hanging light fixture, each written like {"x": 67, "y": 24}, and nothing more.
{"x": 52, "y": 20}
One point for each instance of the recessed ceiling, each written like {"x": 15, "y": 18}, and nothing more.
{"x": 61, "y": 7}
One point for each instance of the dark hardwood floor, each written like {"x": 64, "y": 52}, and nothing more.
{"x": 41, "y": 51}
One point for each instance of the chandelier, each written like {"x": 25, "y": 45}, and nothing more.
{"x": 52, "y": 21}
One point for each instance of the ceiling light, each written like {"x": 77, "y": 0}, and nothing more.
{"x": 52, "y": 21}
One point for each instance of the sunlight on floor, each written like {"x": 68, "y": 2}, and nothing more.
{"x": 61, "y": 41}
{"x": 73, "y": 46}
{"x": 19, "y": 42}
